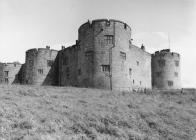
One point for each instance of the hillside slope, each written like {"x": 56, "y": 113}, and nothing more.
{"x": 55, "y": 113}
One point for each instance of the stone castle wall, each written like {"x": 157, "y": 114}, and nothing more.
{"x": 9, "y": 72}
{"x": 20, "y": 75}
{"x": 97, "y": 60}
{"x": 103, "y": 57}
{"x": 68, "y": 66}
{"x": 166, "y": 70}
{"x": 38, "y": 65}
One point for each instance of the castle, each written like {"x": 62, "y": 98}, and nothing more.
{"x": 102, "y": 57}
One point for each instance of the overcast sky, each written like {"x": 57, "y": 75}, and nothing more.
{"x": 26, "y": 24}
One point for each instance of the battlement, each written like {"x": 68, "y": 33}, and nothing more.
{"x": 37, "y": 50}
{"x": 166, "y": 52}
{"x": 107, "y": 21}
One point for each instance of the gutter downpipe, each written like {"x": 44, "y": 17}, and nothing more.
{"x": 110, "y": 57}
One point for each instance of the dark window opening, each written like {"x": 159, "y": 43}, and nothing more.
{"x": 177, "y": 63}
{"x": 137, "y": 63}
{"x": 6, "y": 73}
{"x": 40, "y": 71}
{"x": 105, "y": 67}
{"x": 109, "y": 39}
{"x": 130, "y": 44}
{"x": 170, "y": 83}
{"x": 130, "y": 72}
{"x": 161, "y": 62}
{"x": 50, "y": 63}
{"x": 79, "y": 72}
{"x": 123, "y": 55}
{"x": 125, "y": 26}
{"x": 6, "y": 80}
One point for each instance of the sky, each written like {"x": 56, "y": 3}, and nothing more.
{"x": 26, "y": 24}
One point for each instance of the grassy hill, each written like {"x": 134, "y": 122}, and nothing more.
{"x": 55, "y": 113}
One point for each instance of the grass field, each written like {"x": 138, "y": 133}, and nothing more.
{"x": 66, "y": 113}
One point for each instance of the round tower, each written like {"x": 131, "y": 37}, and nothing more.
{"x": 166, "y": 70}
{"x": 38, "y": 65}
{"x": 103, "y": 47}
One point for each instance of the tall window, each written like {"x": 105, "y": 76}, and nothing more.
{"x": 109, "y": 39}
{"x": 79, "y": 72}
{"x": 106, "y": 68}
{"x": 130, "y": 44}
{"x": 138, "y": 63}
{"x": 6, "y": 73}
{"x": 123, "y": 55}
{"x": 161, "y": 62}
{"x": 6, "y": 80}
{"x": 130, "y": 72}
{"x": 176, "y": 63}
{"x": 170, "y": 83}
{"x": 125, "y": 26}
{"x": 40, "y": 71}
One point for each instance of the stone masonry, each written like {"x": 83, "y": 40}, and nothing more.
{"x": 38, "y": 65}
{"x": 9, "y": 72}
{"x": 102, "y": 57}
{"x": 166, "y": 70}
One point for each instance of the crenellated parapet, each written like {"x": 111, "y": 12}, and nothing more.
{"x": 166, "y": 53}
